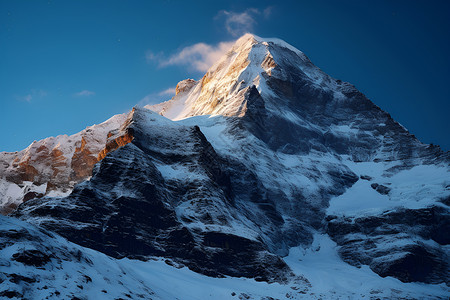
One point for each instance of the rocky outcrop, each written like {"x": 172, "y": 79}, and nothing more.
{"x": 83, "y": 160}
{"x": 116, "y": 141}
{"x": 184, "y": 86}
{"x": 409, "y": 244}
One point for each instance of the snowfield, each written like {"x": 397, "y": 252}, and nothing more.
{"x": 418, "y": 187}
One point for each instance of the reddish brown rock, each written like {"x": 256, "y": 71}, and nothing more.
{"x": 184, "y": 86}
{"x": 116, "y": 142}
{"x": 83, "y": 161}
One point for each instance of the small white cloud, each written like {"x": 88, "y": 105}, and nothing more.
{"x": 32, "y": 95}
{"x": 200, "y": 56}
{"x": 39, "y": 93}
{"x": 157, "y": 97}
{"x": 267, "y": 12}
{"x": 150, "y": 56}
{"x": 167, "y": 92}
{"x": 28, "y": 98}
{"x": 146, "y": 100}
{"x": 85, "y": 93}
{"x": 239, "y": 23}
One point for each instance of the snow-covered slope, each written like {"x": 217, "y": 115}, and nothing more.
{"x": 260, "y": 163}
{"x": 39, "y": 265}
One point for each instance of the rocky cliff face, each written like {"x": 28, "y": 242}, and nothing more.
{"x": 264, "y": 154}
{"x": 409, "y": 244}
{"x": 157, "y": 196}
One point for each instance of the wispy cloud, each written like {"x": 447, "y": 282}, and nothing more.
{"x": 32, "y": 95}
{"x": 239, "y": 23}
{"x": 157, "y": 97}
{"x": 150, "y": 56}
{"x": 167, "y": 92}
{"x": 85, "y": 93}
{"x": 148, "y": 99}
{"x": 267, "y": 12}
{"x": 200, "y": 56}
{"x": 28, "y": 98}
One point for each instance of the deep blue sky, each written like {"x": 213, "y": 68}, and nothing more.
{"x": 67, "y": 65}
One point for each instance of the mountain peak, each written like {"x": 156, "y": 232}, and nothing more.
{"x": 249, "y": 62}
{"x": 254, "y": 39}
{"x": 284, "y": 99}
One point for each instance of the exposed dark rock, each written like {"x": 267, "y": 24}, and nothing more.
{"x": 395, "y": 243}
{"x": 32, "y": 258}
{"x": 31, "y": 195}
{"x": 17, "y": 279}
{"x": 446, "y": 200}
{"x": 417, "y": 263}
{"x": 382, "y": 189}
{"x": 365, "y": 177}
{"x": 11, "y": 294}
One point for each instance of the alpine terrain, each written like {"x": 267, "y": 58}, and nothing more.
{"x": 265, "y": 179}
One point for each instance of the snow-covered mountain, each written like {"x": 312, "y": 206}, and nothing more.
{"x": 267, "y": 169}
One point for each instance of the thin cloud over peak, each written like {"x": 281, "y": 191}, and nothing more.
{"x": 200, "y": 56}
{"x": 157, "y": 97}
{"x": 85, "y": 93}
{"x": 267, "y": 12}
{"x": 239, "y": 23}
{"x": 168, "y": 92}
